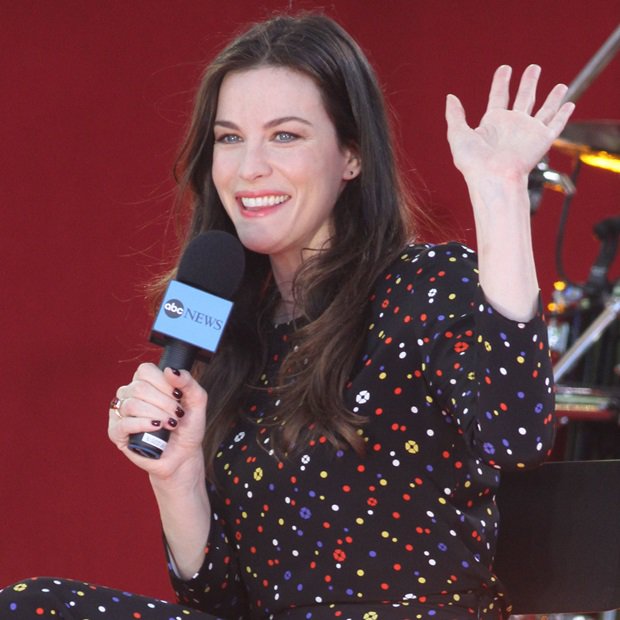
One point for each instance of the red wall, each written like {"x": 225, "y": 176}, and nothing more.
{"x": 94, "y": 96}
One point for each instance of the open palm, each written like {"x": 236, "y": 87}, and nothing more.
{"x": 507, "y": 142}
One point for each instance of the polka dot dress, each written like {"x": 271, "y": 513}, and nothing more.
{"x": 451, "y": 392}
{"x": 65, "y": 599}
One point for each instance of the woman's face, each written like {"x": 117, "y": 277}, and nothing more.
{"x": 277, "y": 165}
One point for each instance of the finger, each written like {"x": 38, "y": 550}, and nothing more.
{"x": 178, "y": 383}
{"x": 558, "y": 122}
{"x": 193, "y": 395}
{"x": 499, "y": 93}
{"x": 150, "y": 397}
{"x": 163, "y": 414}
{"x": 164, "y": 382}
{"x": 552, "y": 103}
{"x": 119, "y": 430}
{"x": 526, "y": 93}
{"x": 455, "y": 116}
{"x": 144, "y": 399}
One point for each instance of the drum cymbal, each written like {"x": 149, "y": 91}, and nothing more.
{"x": 595, "y": 142}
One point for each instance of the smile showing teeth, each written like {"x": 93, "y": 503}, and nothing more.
{"x": 263, "y": 201}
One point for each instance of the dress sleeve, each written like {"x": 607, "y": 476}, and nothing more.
{"x": 217, "y": 587}
{"x": 492, "y": 374}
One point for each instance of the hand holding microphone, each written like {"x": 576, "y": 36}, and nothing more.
{"x": 189, "y": 325}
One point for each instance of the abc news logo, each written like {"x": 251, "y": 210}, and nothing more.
{"x": 174, "y": 308}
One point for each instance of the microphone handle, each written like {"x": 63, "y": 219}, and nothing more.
{"x": 179, "y": 355}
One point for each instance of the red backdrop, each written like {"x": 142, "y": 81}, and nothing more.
{"x": 94, "y": 99}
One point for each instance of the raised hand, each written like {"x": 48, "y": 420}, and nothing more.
{"x": 508, "y": 142}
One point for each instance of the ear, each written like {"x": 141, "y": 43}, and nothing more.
{"x": 353, "y": 166}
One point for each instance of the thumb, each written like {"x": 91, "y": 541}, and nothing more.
{"x": 455, "y": 116}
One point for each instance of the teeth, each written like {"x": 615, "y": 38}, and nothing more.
{"x": 263, "y": 201}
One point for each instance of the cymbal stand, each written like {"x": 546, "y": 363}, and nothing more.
{"x": 610, "y": 313}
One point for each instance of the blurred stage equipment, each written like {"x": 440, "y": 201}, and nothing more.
{"x": 596, "y": 143}
{"x": 542, "y": 176}
{"x": 584, "y": 329}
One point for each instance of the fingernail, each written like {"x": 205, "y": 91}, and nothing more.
{"x": 177, "y": 393}
{"x": 180, "y": 413}
{"x": 172, "y": 422}
{"x": 155, "y": 422}
{"x": 176, "y": 372}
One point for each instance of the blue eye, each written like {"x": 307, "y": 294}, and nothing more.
{"x": 285, "y": 136}
{"x": 228, "y": 138}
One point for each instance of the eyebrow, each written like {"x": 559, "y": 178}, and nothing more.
{"x": 268, "y": 125}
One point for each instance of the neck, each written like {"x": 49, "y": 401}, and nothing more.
{"x": 284, "y": 272}
{"x": 284, "y": 312}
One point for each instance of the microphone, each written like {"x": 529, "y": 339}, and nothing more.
{"x": 607, "y": 232}
{"x": 193, "y": 313}
{"x": 609, "y": 227}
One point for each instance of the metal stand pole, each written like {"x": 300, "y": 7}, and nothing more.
{"x": 589, "y": 336}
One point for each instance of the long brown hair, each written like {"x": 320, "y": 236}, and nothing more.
{"x": 372, "y": 223}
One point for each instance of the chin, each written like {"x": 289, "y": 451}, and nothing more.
{"x": 260, "y": 246}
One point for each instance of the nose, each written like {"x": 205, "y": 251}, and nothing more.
{"x": 255, "y": 163}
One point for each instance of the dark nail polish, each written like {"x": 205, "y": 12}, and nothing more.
{"x": 180, "y": 413}
{"x": 177, "y": 393}
{"x": 176, "y": 372}
{"x": 172, "y": 422}
{"x": 155, "y": 422}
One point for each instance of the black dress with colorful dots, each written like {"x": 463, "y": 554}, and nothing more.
{"x": 452, "y": 392}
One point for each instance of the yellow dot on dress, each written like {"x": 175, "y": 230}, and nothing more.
{"x": 323, "y": 474}
{"x": 412, "y": 447}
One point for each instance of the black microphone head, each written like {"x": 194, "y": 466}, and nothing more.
{"x": 214, "y": 262}
{"x": 609, "y": 227}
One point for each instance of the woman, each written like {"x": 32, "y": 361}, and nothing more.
{"x": 368, "y": 389}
